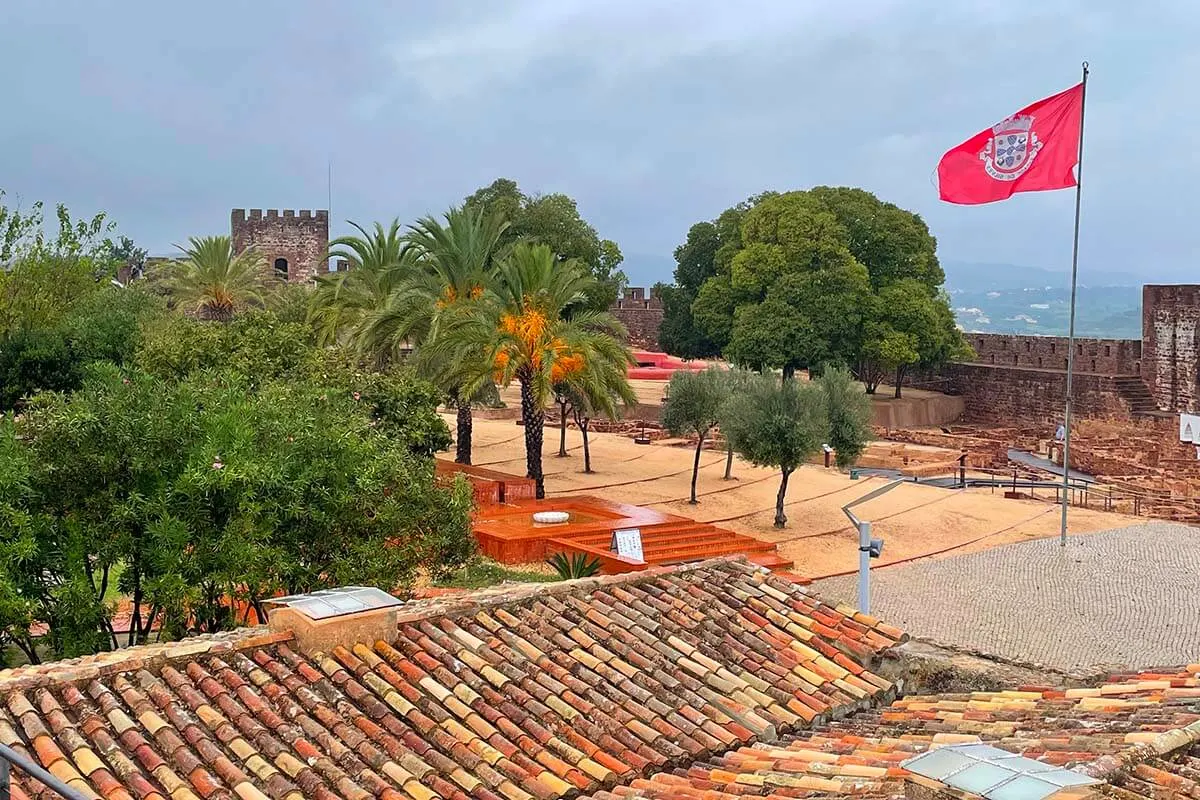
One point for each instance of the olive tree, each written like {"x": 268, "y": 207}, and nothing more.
{"x": 780, "y": 425}
{"x": 736, "y": 382}
{"x": 849, "y": 415}
{"x": 694, "y": 407}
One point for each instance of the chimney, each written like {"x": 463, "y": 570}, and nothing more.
{"x": 325, "y": 619}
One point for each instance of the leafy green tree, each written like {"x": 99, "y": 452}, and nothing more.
{"x": 533, "y": 326}
{"x": 43, "y": 273}
{"x": 401, "y": 405}
{"x": 892, "y": 243}
{"x": 695, "y": 402}
{"x": 23, "y": 235}
{"x": 256, "y": 344}
{"x": 909, "y": 311}
{"x": 263, "y": 349}
{"x": 849, "y": 413}
{"x": 705, "y": 254}
{"x": 188, "y": 493}
{"x": 825, "y": 276}
{"x": 34, "y": 360}
{"x": 214, "y": 281}
{"x": 781, "y": 425}
{"x": 40, "y": 289}
{"x": 104, "y": 325}
{"x": 456, "y": 259}
{"x": 554, "y": 220}
{"x": 345, "y": 301}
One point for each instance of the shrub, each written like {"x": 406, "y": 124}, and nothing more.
{"x": 577, "y": 565}
{"x": 207, "y": 488}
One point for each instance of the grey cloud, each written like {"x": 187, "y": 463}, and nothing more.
{"x": 652, "y": 114}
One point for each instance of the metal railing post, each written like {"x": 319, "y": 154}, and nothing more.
{"x": 10, "y": 757}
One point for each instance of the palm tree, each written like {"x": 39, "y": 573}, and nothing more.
{"x": 344, "y": 301}
{"x": 532, "y": 326}
{"x": 456, "y": 260}
{"x": 594, "y": 391}
{"x": 214, "y": 280}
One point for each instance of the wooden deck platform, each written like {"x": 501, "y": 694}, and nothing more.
{"x": 508, "y": 534}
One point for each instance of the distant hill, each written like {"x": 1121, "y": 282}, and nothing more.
{"x": 1010, "y": 298}
{"x": 1001, "y": 298}
{"x": 969, "y": 276}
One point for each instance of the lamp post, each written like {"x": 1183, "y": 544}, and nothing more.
{"x": 868, "y": 548}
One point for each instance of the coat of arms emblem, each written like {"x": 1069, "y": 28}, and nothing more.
{"x": 1011, "y": 150}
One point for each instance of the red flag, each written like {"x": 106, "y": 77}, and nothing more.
{"x": 1033, "y": 150}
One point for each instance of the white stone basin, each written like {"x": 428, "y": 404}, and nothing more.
{"x": 551, "y": 517}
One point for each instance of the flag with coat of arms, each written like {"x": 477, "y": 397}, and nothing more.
{"x": 1034, "y": 150}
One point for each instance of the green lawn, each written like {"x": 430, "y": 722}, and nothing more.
{"x": 484, "y": 572}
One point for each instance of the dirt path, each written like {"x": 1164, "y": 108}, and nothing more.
{"x": 914, "y": 520}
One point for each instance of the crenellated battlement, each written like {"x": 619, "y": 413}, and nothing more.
{"x": 239, "y": 214}
{"x": 292, "y": 242}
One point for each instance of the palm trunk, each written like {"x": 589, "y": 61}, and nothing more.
{"x": 535, "y": 422}
{"x": 780, "y": 518}
{"x": 587, "y": 454}
{"x": 696, "y": 468}
{"x": 215, "y": 312}
{"x": 462, "y": 449}
{"x": 562, "y": 430}
{"x": 728, "y": 459}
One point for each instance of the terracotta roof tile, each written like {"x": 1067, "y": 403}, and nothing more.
{"x": 1139, "y": 732}
{"x": 532, "y": 692}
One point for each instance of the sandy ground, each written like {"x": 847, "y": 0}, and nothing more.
{"x": 913, "y": 520}
{"x": 649, "y": 393}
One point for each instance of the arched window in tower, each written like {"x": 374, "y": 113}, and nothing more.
{"x": 281, "y": 268}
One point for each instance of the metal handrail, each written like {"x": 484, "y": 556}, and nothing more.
{"x": 10, "y": 758}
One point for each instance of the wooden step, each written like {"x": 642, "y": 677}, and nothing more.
{"x": 695, "y": 553}
{"x": 691, "y": 553}
{"x": 777, "y": 563}
{"x": 698, "y": 538}
{"x": 680, "y": 542}
{"x": 650, "y": 534}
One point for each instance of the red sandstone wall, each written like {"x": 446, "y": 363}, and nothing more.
{"x": 1100, "y": 356}
{"x": 1170, "y": 332}
{"x": 642, "y": 314}
{"x": 1011, "y": 394}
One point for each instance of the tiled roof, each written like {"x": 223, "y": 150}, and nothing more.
{"x": 1138, "y": 731}
{"x": 535, "y": 692}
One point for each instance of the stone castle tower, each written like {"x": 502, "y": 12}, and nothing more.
{"x": 293, "y": 243}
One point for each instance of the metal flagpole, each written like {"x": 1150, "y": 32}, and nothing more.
{"x": 1066, "y": 491}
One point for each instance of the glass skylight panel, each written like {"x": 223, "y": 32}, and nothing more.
{"x": 993, "y": 773}
{"x": 978, "y": 778}
{"x": 326, "y": 603}
{"x": 1023, "y": 787}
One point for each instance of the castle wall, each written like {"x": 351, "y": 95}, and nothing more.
{"x": 1170, "y": 336}
{"x": 1100, "y": 356}
{"x": 1008, "y": 394}
{"x": 301, "y": 238}
{"x": 642, "y": 314}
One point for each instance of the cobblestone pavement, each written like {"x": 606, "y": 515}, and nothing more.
{"x": 1128, "y": 597}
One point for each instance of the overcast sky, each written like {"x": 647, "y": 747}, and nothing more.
{"x": 652, "y": 114}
